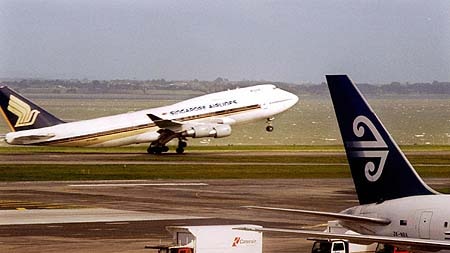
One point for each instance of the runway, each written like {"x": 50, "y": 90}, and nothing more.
{"x": 213, "y": 201}
{"x": 127, "y": 215}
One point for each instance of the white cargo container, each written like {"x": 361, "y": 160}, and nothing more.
{"x": 213, "y": 239}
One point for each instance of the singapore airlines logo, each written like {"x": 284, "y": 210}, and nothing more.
{"x": 369, "y": 149}
{"x": 23, "y": 111}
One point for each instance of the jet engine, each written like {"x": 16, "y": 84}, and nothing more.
{"x": 201, "y": 131}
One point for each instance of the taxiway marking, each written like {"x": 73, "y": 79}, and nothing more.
{"x": 138, "y": 184}
{"x": 82, "y": 215}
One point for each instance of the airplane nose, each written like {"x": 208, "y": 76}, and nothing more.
{"x": 292, "y": 99}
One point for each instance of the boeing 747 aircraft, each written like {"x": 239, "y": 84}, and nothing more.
{"x": 209, "y": 115}
{"x": 396, "y": 207}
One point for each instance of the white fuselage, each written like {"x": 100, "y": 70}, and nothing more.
{"x": 424, "y": 217}
{"x": 227, "y": 107}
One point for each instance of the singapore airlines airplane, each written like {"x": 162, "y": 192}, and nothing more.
{"x": 396, "y": 207}
{"x": 209, "y": 115}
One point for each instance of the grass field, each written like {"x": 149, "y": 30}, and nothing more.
{"x": 308, "y": 162}
{"x": 45, "y": 172}
{"x": 197, "y": 172}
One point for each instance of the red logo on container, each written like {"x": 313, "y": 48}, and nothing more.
{"x": 236, "y": 241}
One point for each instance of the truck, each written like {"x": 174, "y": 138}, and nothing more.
{"x": 330, "y": 246}
{"x": 343, "y": 246}
{"x": 212, "y": 239}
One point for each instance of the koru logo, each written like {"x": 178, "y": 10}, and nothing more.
{"x": 25, "y": 116}
{"x": 368, "y": 149}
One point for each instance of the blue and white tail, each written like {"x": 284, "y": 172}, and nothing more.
{"x": 379, "y": 168}
{"x": 22, "y": 114}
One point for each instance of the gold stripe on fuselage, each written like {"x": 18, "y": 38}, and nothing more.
{"x": 100, "y": 137}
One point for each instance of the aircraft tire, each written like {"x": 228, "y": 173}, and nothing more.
{"x": 157, "y": 150}
{"x": 182, "y": 144}
{"x": 269, "y": 128}
{"x": 180, "y": 150}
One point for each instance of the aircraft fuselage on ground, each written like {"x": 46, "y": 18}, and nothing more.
{"x": 425, "y": 217}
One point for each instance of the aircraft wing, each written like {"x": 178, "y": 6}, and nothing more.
{"x": 164, "y": 123}
{"x": 170, "y": 129}
{"x": 401, "y": 242}
{"x": 339, "y": 216}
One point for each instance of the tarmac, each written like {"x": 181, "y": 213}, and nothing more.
{"x": 125, "y": 216}
{"x": 24, "y": 216}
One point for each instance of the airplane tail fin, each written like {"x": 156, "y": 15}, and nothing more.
{"x": 379, "y": 169}
{"x": 22, "y": 114}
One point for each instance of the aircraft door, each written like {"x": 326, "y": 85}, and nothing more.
{"x": 424, "y": 224}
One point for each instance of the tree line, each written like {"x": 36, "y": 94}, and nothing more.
{"x": 84, "y": 86}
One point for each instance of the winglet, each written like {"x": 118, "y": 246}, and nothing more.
{"x": 379, "y": 168}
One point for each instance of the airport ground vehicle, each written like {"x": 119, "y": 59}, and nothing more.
{"x": 212, "y": 239}
{"x": 322, "y": 245}
{"x": 343, "y": 246}
{"x": 330, "y": 246}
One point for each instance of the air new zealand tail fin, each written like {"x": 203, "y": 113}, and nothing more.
{"x": 379, "y": 168}
{"x": 22, "y": 114}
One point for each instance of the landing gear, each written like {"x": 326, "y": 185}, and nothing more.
{"x": 156, "y": 149}
{"x": 181, "y": 146}
{"x": 153, "y": 149}
{"x": 269, "y": 128}
{"x": 180, "y": 151}
{"x": 159, "y": 147}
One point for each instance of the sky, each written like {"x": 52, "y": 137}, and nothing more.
{"x": 287, "y": 41}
